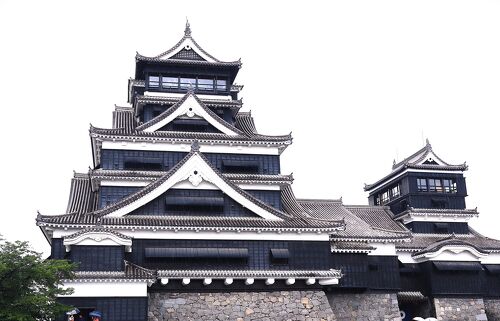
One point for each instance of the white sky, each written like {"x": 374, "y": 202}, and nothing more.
{"x": 359, "y": 83}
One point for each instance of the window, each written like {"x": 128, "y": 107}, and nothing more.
{"x": 169, "y": 82}
{"x": 395, "y": 192}
{"x": 187, "y": 83}
{"x": 435, "y": 185}
{"x": 154, "y": 81}
{"x": 450, "y": 186}
{"x": 385, "y": 197}
{"x": 221, "y": 85}
{"x": 388, "y": 195}
{"x": 422, "y": 184}
{"x": 206, "y": 84}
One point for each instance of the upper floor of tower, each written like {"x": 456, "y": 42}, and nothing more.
{"x": 422, "y": 180}
{"x": 186, "y": 66}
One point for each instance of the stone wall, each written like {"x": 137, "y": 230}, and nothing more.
{"x": 240, "y": 306}
{"x": 460, "y": 309}
{"x": 492, "y": 309}
{"x": 364, "y": 307}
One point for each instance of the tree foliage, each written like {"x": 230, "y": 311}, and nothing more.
{"x": 29, "y": 285}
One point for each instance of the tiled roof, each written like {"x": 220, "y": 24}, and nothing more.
{"x": 350, "y": 247}
{"x": 187, "y": 35}
{"x": 211, "y": 103}
{"x": 378, "y": 224}
{"x": 178, "y": 104}
{"x": 279, "y": 274}
{"x": 102, "y": 174}
{"x": 123, "y": 118}
{"x": 411, "y": 296}
{"x": 245, "y": 122}
{"x": 448, "y": 241}
{"x": 131, "y": 272}
{"x": 415, "y": 160}
{"x": 379, "y": 217}
{"x": 437, "y": 212}
{"x": 292, "y": 219}
{"x": 81, "y": 197}
{"x": 421, "y": 241}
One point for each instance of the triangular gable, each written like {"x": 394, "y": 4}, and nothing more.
{"x": 424, "y": 156}
{"x": 196, "y": 171}
{"x": 430, "y": 158}
{"x": 185, "y": 45}
{"x": 191, "y": 107}
{"x": 449, "y": 249}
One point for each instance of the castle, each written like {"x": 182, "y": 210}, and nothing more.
{"x": 185, "y": 215}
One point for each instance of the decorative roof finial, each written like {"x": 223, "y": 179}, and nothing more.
{"x": 187, "y": 31}
{"x": 427, "y": 142}
{"x": 394, "y": 162}
{"x": 195, "y": 146}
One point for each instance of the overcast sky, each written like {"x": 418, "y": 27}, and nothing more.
{"x": 359, "y": 83}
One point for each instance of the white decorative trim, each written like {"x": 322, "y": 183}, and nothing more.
{"x": 384, "y": 249}
{"x": 197, "y": 166}
{"x": 290, "y": 281}
{"x": 188, "y": 44}
{"x": 104, "y": 289}
{"x": 435, "y": 217}
{"x": 221, "y": 148}
{"x": 185, "y": 185}
{"x": 140, "y": 232}
{"x": 328, "y": 282}
{"x": 98, "y": 238}
{"x": 207, "y": 281}
{"x": 270, "y": 281}
{"x": 452, "y": 253}
{"x": 310, "y": 281}
{"x": 190, "y": 107}
{"x": 125, "y": 183}
{"x": 405, "y": 257}
{"x": 431, "y": 156}
{"x": 492, "y": 258}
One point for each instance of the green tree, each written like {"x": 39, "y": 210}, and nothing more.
{"x": 30, "y": 285}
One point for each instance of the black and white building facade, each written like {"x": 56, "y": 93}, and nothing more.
{"x": 186, "y": 201}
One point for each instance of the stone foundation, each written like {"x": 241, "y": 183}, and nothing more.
{"x": 364, "y": 307}
{"x": 492, "y": 309}
{"x": 460, "y": 309}
{"x": 241, "y": 306}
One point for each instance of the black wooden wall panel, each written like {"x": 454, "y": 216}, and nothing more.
{"x": 354, "y": 267}
{"x": 158, "y": 207}
{"x": 384, "y": 272}
{"x": 57, "y": 250}
{"x": 432, "y": 228}
{"x": 303, "y": 255}
{"x": 115, "y": 159}
{"x": 112, "y": 194}
{"x": 97, "y": 258}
